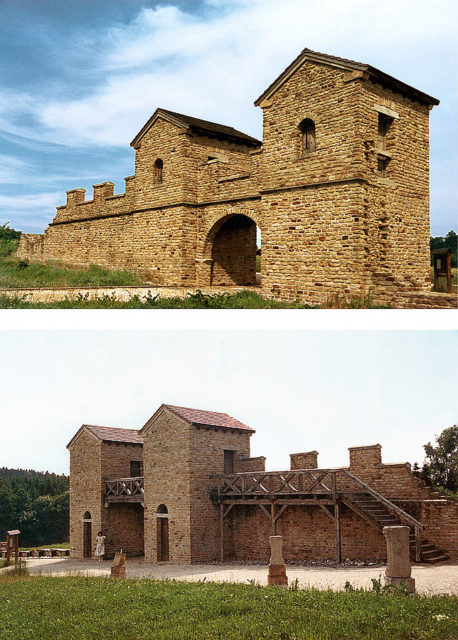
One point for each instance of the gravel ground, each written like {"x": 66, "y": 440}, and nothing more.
{"x": 429, "y": 579}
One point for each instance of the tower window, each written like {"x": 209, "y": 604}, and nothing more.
{"x": 158, "y": 169}
{"x": 307, "y": 129}
{"x": 384, "y": 123}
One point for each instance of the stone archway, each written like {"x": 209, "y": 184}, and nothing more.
{"x": 229, "y": 252}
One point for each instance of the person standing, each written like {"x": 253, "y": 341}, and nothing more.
{"x": 100, "y": 546}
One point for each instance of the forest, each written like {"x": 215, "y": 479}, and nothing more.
{"x": 36, "y": 503}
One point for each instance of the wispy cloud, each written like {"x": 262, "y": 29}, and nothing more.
{"x": 210, "y": 62}
{"x": 11, "y": 169}
{"x": 216, "y": 65}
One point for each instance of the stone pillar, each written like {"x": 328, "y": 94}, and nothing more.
{"x": 398, "y": 553}
{"x": 277, "y": 568}
{"x": 118, "y": 569}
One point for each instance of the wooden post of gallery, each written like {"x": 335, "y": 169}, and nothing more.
{"x": 12, "y": 545}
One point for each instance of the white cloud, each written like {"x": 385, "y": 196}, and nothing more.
{"x": 30, "y": 212}
{"x": 215, "y": 66}
{"x": 11, "y": 169}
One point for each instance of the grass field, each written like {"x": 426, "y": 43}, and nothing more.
{"x": 80, "y": 608}
{"x": 16, "y": 273}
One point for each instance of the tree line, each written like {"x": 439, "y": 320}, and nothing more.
{"x": 36, "y": 503}
{"x": 447, "y": 242}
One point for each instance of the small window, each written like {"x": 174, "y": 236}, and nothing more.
{"x": 158, "y": 171}
{"x": 382, "y": 164}
{"x": 228, "y": 462}
{"x": 135, "y": 468}
{"x": 384, "y": 124}
{"x": 307, "y": 129}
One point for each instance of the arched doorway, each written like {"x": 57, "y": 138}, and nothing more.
{"x": 162, "y": 519}
{"x": 87, "y": 535}
{"x": 232, "y": 246}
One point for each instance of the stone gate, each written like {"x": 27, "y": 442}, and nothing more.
{"x": 338, "y": 189}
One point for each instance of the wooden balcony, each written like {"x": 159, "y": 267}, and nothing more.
{"x": 124, "y": 490}
{"x": 329, "y": 489}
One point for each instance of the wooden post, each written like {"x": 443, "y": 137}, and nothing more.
{"x": 417, "y": 544}
{"x": 338, "y": 539}
{"x": 221, "y": 532}
{"x": 449, "y": 272}
{"x": 272, "y": 517}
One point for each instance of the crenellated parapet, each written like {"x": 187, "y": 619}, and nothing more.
{"x": 104, "y": 203}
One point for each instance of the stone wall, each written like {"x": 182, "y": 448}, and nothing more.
{"x": 308, "y": 534}
{"x": 207, "y": 456}
{"x": 332, "y": 223}
{"x": 124, "y": 529}
{"x": 86, "y": 490}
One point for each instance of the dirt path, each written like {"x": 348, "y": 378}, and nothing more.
{"x": 429, "y": 579}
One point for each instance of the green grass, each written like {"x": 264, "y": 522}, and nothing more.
{"x": 80, "y": 608}
{"x": 16, "y": 273}
{"x": 198, "y": 300}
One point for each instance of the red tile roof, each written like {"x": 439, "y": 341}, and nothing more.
{"x": 210, "y": 418}
{"x": 111, "y": 434}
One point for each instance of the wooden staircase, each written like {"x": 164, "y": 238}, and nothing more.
{"x": 377, "y": 513}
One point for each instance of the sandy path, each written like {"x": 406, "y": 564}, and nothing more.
{"x": 429, "y": 579}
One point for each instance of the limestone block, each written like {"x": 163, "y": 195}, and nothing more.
{"x": 118, "y": 572}
{"x": 399, "y": 583}
{"x": 277, "y": 570}
{"x": 398, "y": 552}
{"x": 119, "y": 559}
{"x": 276, "y": 553}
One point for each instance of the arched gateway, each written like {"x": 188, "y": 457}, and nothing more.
{"x": 229, "y": 252}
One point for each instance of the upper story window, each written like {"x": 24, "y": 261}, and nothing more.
{"x": 384, "y": 124}
{"x": 307, "y": 129}
{"x": 228, "y": 462}
{"x": 158, "y": 171}
{"x": 135, "y": 468}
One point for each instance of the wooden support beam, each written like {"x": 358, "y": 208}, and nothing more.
{"x": 273, "y": 519}
{"x": 263, "y": 509}
{"x": 327, "y": 512}
{"x": 221, "y": 533}
{"x": 278, "y": 514}
{"x": 417, "y": 544}
{"x": 338, "y": 538}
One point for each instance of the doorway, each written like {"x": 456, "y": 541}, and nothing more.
{"x": 162, "y": 519}
{"x": 87, "y": 535}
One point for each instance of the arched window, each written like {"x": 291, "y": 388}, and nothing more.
{"x": 307, "y": 129}
{"x": 158, "y": 168}
{"x": 87, "y": 516}
{"x": 162, "y": 509}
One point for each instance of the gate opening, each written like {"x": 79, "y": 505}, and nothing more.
{"x": 234, "y": 252}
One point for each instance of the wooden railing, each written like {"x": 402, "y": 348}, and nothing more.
{"x": 124, "y": 489}
{"x": 278, "y": 483}
{"x": 402, "y": 515}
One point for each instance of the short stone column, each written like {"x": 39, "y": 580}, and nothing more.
{"x": 398, "y": 568}
{"x": 277, "y": 568}
{"x": 118, "y": 569}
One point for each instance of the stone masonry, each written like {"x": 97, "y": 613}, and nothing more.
{"x": 160, "y": 492}
{"x": 338, "y": 187}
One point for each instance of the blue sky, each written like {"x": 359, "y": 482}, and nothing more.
{"x": 80, "y": 77}
{"x": 300, "y": 390}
